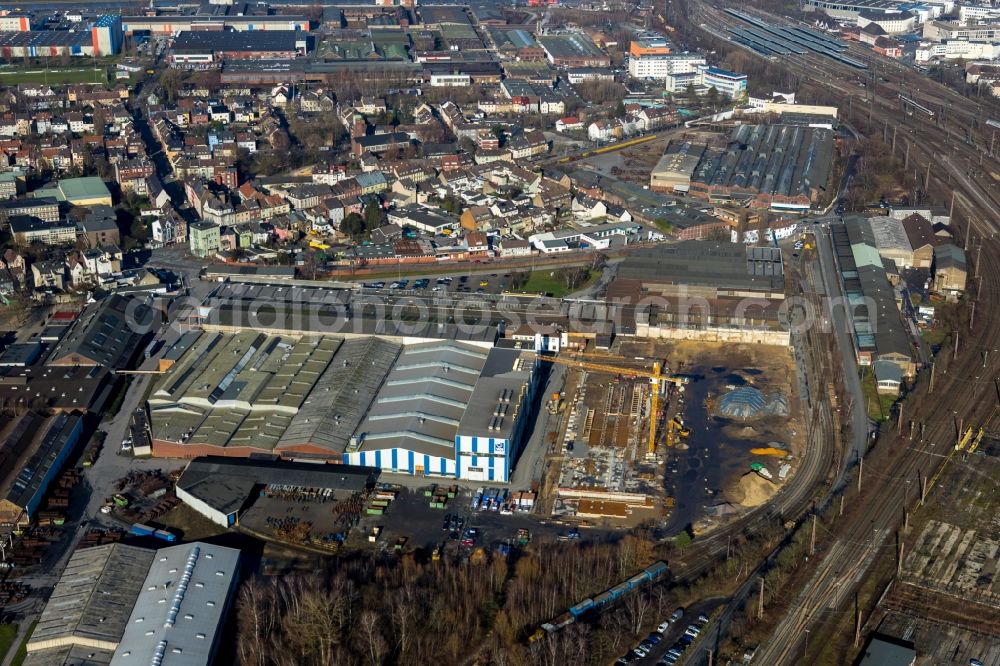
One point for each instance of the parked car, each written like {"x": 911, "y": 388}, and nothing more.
{"x": 678, "y": 614}
{"x": 663, "y": 627}
{"x": 702, "y": 618}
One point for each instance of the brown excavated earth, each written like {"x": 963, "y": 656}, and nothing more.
{"x": 751, "y": 490}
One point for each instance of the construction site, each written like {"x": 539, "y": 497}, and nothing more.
{"x": 694, "y": 466}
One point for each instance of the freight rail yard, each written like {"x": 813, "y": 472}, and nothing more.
{"x": 947, "y": 142}
{"x": 749, "y": 462}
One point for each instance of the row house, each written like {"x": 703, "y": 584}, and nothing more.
{"x": 54, "y": 157}
{"x": 527, "y": 145}
{"x": 15, "y": 124}
{"x": 90, "y": 267}
{"x": 269, "y": 205}
{"x": 94, "y": 94}
{"x": 655, "y": 118}
{"x": 131, "y": 175}
{"x": 328, "y": 174}
{"x": 13, "y": 267}
{"x": 166, "y": 225}
{"x": 36, "y": 97}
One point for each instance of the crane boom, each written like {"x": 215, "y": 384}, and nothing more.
{"x": 656, "y": 377}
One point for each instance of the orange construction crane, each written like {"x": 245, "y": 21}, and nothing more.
{"x": 656, "y": 377}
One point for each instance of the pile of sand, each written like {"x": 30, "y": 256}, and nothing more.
{"x": 751, "y": 490}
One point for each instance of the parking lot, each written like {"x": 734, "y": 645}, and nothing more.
{"x": 470, "y": 283}
{"x": 409, "y": 516}
{"x": 667, "y": 645}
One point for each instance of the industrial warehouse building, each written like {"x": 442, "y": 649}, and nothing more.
{"x": 299, "y": 310}
{"x": 197, "y": 48}
{"x": 102, "y": 37}
{"x": 781, "y": 167}
{"x": 449, "y": 409}
{"x": 107, "y": 334}
{"x": 879, "y": 332}
{"x": 573, "y": 50}
{"x": 25, "y": 490}
{"x": 439, "y": 407}
{"x": 706, "y": 290}
{"x": 169, "y": 24}
{"x": 119, "y": 604}
{"x": 183, "y": 601}
{"x": 221, "y": 488}
{"x": 86, "y": 615}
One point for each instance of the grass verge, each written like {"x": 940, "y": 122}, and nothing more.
{"x": 551, "y": 282}
{"x": 22, "y": 649}
{"x": 8, "y": 632}
{"x": 878, "y": 407}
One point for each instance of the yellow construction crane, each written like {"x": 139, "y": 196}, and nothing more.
{"x": 655, "y": 376}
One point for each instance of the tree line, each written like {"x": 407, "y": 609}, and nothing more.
{"x": 413, "y": 610}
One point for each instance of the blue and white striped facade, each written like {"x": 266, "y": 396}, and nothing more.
{"x": 403, "y": 461}
{"x": 483, "y": 458}
{"x": 448, "y": 410}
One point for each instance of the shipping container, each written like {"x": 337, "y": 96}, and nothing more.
{"x": 138, "y": 529}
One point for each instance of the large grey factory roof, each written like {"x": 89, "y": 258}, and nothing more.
{"x": 181, "y": 606}
{"x": 106, "y": 333}
{"x": 492, "y": 409}
{"x": 196, "y": 41}
{"x": 341, "y": 397}
{"x": 30, "y": 479}
{"x": 238, "y": 390}
{"x": 226, "y": 483}
{"x": 93, "y": 598}
{"x": 787, "y": 160}
{"x": 888, "y": 233}
{"x": 569, "y": 46}
{"x": 423, "y": 399}
{"x": 724, "y": 266}
{"x": 70, "y": 655}
{"x": 181, "y": 346}
{"x": 307, "y": 318}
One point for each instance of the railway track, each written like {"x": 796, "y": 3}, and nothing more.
{"x": 964, "y": 389}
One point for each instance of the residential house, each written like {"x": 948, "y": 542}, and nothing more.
{"x": 204, "y": 238}
{"x": 527, "y": 145}
{"x": 605, "y": 130}
{"x": 514, "y": 247}
{"x": 131, "y": 175}
{"x": 569, "y": 124}
{"x": 157, "y": 196}
{"x": 922, "y": 239}
{"x": 48, "y": 275}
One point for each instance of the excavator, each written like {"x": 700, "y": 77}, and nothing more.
{"x": 656, "y": 377}
{"x": 675, "y": 425}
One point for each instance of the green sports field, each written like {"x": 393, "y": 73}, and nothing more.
{"x": 54, "y": 76}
